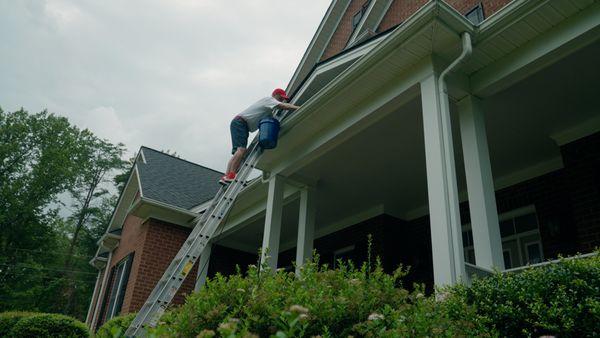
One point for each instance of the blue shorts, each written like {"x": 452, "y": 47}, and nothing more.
{"x": 239, "y": 133}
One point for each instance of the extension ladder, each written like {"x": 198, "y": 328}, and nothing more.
{"x": 206, "y": 226}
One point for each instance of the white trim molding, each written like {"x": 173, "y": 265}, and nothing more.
{"x": 577, "y": 132}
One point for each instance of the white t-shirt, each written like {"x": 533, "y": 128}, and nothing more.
{"x": 258, "y": 111}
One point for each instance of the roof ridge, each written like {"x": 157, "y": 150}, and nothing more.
{"x": 181, "y": 159}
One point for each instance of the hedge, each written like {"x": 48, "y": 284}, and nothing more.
{"x": 561, "y": 299}
{"x": 9, "y": 319}
{"x": 28, "y": 324}
{"x": 347, "y": 301}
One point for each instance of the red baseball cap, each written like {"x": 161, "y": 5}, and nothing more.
{"x": 281, "y": 92}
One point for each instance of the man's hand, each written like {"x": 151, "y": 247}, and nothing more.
{"x": 287, "y": 106}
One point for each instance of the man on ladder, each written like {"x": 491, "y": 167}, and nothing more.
{"x": 246, "y": 122}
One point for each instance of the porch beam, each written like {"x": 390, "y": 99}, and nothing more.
{"x": 448, "y": 267}
{"x": 272, "y": 231}
{"x": 569, "y": 36}
{"x": 306, "y": 227}
{"x": 203, "y": 267}
{"x": 480, "y": 185}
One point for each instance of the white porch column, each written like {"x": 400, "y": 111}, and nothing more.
{"x": 306, "y": 226}
{"x": 446, "y": 239}
{"x": 88, "y": 318}
{"x": 270, "y": 244}
{"x": 101, "y": 294}
{"x": 480, "y": 185}
{"x": 203, "y": 266}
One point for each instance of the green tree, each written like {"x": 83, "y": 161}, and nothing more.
{"x": 39, "y": 156}
{"x": 43, "y": 256}
{"x": 91, "y": 187}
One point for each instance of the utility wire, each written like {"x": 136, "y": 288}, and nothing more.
{"x": 52, "y": 252}
{"x": 21, "y": 265}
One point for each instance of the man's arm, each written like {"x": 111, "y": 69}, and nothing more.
{"x": 287, "y": 106}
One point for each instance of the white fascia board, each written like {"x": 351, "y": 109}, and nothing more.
{"x": 351, "y": 56}
{"x": 319, "y": 42}
{"x": 162, "y": 211}
{"x": 134, "y": 175}
{"x": 567, "y": 37}
{"x": 98, "y": 262}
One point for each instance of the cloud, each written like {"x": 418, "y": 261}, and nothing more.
{"x": 166, "y": 74}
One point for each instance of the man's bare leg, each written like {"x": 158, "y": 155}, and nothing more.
{"x": 236, "y": 160}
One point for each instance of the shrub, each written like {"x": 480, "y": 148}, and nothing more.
{"x": 115, "y": 327}
{"x": 561, "y": 299}
{"x": 9, "y": 319}
{"x": 48, "y": 325}
{"x": 319, "y": 302}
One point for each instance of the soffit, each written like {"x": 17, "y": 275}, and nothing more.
{"x": 516, "y": 25}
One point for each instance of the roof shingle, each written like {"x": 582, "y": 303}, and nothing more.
{"x": 168, "y": 179}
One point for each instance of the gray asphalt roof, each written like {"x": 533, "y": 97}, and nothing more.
{"x": 174, "y": 181}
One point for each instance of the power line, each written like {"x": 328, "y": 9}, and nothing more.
{"x": 21, "y": 265}
{"x": 52, "y": 252}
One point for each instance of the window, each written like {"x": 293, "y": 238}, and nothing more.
{"x": 507, "y": 259}
{"x": 521, "y": 241}
{"x": 119, "y": 284}
{"x": 358, "y": 16}
{"x": 475, "y": 15}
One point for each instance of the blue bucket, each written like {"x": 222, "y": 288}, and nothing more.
{"x": 268, "y": 130}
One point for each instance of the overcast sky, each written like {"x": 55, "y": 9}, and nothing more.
{"x": 165, "y": 74}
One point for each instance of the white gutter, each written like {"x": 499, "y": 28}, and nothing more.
{"x": 450, "y": 170}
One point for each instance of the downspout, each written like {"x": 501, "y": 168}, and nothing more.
{"x": 101, "y": 294}
{"x": 455, "y": 231}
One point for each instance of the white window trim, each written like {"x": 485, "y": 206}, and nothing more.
{"x": 119, "y": 285}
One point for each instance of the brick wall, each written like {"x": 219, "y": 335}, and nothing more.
{"x": 398, "y": 12}
{"x": 340, "y": 37}
{"x": 161, "y": 243}
{"x": 582, "y": 176}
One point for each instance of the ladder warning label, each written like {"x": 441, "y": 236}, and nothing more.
{"x": 186, "y": 269}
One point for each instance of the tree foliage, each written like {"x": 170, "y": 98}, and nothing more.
{"x": 43, "y": 254}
